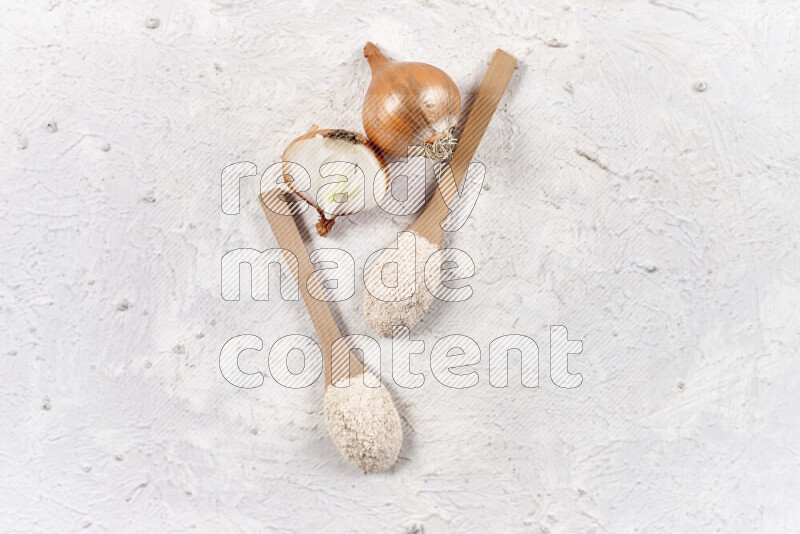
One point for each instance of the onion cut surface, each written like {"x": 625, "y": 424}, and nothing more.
{"x": 346, "y": 175}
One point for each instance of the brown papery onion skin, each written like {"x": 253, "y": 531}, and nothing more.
{"x": 410, "y": 104}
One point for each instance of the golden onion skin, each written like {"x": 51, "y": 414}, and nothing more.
{"x": 409, "y": 104}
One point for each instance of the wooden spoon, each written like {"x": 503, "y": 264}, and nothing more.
{"x": 370, "y": 441}
{"x": 383, "y": 315}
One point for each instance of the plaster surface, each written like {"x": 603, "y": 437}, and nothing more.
{"x": 641, "y": 190}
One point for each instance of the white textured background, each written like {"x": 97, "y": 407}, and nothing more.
{"x": 657, "y": 222}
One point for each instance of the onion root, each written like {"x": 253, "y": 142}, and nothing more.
{"x": 442, "y": 146}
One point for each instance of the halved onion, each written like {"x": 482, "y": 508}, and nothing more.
{"x": 345, "y": 169}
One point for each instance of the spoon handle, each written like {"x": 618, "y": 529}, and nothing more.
{"x": 491, "y": 90}
{"x": 288, "y": 236}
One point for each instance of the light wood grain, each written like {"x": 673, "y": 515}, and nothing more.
{"x": 337, "y": 364}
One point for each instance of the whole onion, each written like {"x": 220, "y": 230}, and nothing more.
{"x": 410, "y": 104}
